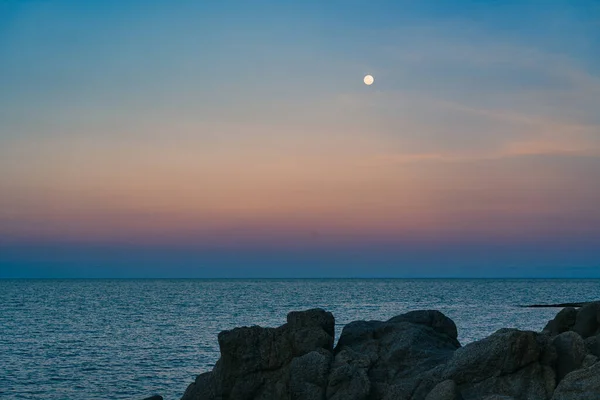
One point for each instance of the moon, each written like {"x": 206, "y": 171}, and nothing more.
{"x": 369, "y": 80}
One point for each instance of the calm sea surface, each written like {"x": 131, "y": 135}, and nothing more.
{"x": 128, "y": 339}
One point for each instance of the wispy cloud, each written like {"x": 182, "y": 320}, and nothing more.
{"x": 457, "y": 92}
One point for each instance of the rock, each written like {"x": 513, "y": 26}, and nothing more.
{"x": 534, "y": 382}
{"x": 587, "y": 321}
{"x": 593, "y": 345}
{"x": 431, "y": 318}
{"x": 570, "y": 350}
{"x": 289, "y": 362}
{"x": 396, "y": 392}
{"x": 393, "y": 355}
{"x": 589, "y": 360}
{"x": 502, "y": 353}
{"x": 582, "y": 384}
{"x": 446, "y": 390}
{"x": 204, "y": 387}
{"x": 559, "y": 305}
{"x": 509, "y": 363}
{"x": 156, "y": 397}
{"x": 304, "y": 337}
{"x": 245, "y": 354}
{"x": 309, "y": 375}
{"x": 563, "y": 321}
{"x": 413, "y": 356}
{"x": 348, "y": 381}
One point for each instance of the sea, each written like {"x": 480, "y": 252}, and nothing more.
{"x": 129, "y": 339}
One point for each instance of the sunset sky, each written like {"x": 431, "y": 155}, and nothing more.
{"x": 237, "y": 138}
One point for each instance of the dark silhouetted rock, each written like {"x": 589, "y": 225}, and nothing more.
{"x": 289, "y": 362}
{"x": 587, "y": 321}
{"x": 413, "y": 356}
{"x": 593, "y": 345}
{"x": 394, "y": 355}
{"x": 156, "y": 397}
{"x": 431, "y": 318}
{"x": 204, "y": 387}
{"x": 558, "y": 305}
{"x": 309, "y": 375}
{"x": 582, "y": 384}
{"x": 509, "y": 362}
{"x": 588, "y": 361}
{"x": 570, "y": 351}
{"x": 532, "y": 382}
{"x": 502, "y": 353}
{"x": 563, "y": 321}
{"x": 348, "y": 378}
{"x": 445, "y": 390}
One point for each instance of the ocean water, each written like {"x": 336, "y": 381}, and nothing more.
{"x": 128, "y": 339}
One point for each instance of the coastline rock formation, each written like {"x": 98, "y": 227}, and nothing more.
{"x": 289, "y": 362}
{"x": 414, "y": 356}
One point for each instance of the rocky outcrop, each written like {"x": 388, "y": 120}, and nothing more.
{"x": 390, "y": 359}
{"x": 582, "y": 384}
{"x": 563, "y": 321}
{"x": 509, "y": 362}
{"x": 570, "y": 352}
{"x": 585, "y": 321}
{"x": 558, "y": 305}
{"x": 445, "y": 390}
{"x": 414, "y": 356}
{"x": 289, "y": 362}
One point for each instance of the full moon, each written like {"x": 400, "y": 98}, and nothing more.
{"x": 369, "y": 80}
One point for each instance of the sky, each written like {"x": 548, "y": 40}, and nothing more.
{"x": 237, "y": 139}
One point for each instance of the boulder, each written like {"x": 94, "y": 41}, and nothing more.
{"x": 431, "y": 318}
{"x": 533, "y": 382}
{"x": 445, "y": 390}
{"x": 289, "y": 362}
{"x": 592, "y": 345}
{"x": 304, "y": 337}
{"x": 204, "y": 387}
{"x": 348, "y": 380}
{"x": 587, "y": 322}
{"x": 509, "y": 362}
{"x": 570, "y": 352}
{"x": 413, "y": 356}
{"x": 563, "y": 321}
{"x": 589, "y": 360}
{"x": 502, "y": 353}
{"x": 393, "y": 356}
{"x": 582, "y": 384}
{"x": 309, "y": 375}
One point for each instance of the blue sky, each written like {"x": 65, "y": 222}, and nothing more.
{"x": 238, "y": 138}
